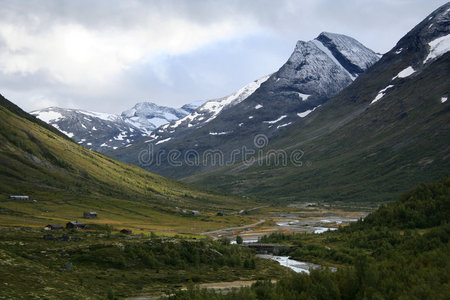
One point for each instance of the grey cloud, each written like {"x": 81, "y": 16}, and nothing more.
{"x": 211, "y": 71}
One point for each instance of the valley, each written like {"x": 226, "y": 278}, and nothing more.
{"x": 75, "y": 264}
{"x": 26, "y": 245}
{"x": 295, "y": 218}
{"x": 327, "y": 178}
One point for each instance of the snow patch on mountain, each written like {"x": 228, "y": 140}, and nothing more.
{"x": 275, "y": 121}
{"x": 304, "y": 97}
{"x": 48, "y": 116}
{"x": 220, "y": 133}
{"x": 163, "y": 141}
{"x": 306, "y": 112}
{"x": 438, "y": 47}
{"x": 404, "y": 73}
{"x": 284, "y": 125}
{"x": 99, "y": 115}
{"x": 69, "y": 134}
{"x": 444, "y": 99}
{"x": 381, "y": 93}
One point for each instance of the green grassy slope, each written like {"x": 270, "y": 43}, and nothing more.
{"x": 66, "y": 179}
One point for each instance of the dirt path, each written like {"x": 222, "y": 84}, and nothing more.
{"x": 226, "y": 285}
{"x": 231, "y": 229}
{"x": 223, "y": 287}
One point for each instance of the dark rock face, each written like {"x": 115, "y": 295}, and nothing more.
{"x": 315, "y": 72}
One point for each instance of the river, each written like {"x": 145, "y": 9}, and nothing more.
{"x": 295, "y": 265}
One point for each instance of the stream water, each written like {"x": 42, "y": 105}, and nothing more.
{"x": 295, "y": 265}
{"x": 285, "y": 261}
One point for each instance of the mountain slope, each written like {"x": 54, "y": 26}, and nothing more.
{"x": 380, "y": 136}
{"x": 315, "y": 72}
{"x": 204, "y": 113}
{"x": 101, "y": 131}
{"x": 94, "y": 130}
{"x": 66, "y": 179}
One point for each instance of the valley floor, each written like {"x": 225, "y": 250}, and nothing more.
{"x": 94, "y": 262}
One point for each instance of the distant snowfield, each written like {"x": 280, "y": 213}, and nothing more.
{"x": 443, "y": 99}
{"x": 103, "y": 116}
{"x": 48, "y": 116}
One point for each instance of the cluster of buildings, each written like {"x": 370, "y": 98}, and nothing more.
{"x": 80, "y": 225}
{"x": 73, "y": 224}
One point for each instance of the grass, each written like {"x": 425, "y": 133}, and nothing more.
{"x": 64, "y": 179}
{"x": 96, "y": 263}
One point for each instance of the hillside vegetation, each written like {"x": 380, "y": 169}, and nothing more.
{"x": 101, "y": 265}
{"x": 401, "y": 251}
{"x": 64, "y": 179}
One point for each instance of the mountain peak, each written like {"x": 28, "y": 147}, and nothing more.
{"x": 427, "y": 41}
{"x": 323, "y": 66}
{"x": 350, "y": 53}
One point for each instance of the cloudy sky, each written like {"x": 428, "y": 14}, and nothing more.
{"x": 107, "y": 55}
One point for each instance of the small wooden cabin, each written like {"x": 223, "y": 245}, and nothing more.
{"x": 75, "y": 225}
{"x": 89, "y": 215}
{"x": 54, "y": 226}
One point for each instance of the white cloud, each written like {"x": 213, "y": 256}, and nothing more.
{"x": 106, "y": 55}
{"x": 76, "y": 55}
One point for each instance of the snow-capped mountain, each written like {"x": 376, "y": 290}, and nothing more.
{"x": 319, "y": 69}
{"x": 316, "y": 71}
{"x": 380, "y": 136}
{"x": 102, "y": 131}
{"x": 206, "y": 112}
{"x": 147, "y": 115}
{"x": 94, "y": 130}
